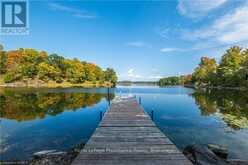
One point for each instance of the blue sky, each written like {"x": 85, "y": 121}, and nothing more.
{"x": 141, "y": 40}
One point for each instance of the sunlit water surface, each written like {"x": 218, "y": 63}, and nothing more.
{"x": 33, "y": 120}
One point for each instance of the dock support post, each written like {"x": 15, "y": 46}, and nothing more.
{"x": 152, "y": 115}
{"x": 101, "y": 114}
{"x": 139, "y": 100}
{"x": 108, "y": 96}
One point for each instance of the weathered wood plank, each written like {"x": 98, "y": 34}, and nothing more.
{"x": 124, "y": 129}
{"x": 134, "y": 156}
{"x": 114, "y": 161}
{"x": 128, "y": 136}
{"x": 140, "y": 139}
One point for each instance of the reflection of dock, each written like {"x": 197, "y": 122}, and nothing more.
{"x": 127, "y": 135}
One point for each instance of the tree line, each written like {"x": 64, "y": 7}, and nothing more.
{"x": 176, "y": 80}
{"x": 25, "y": 64}
{"x": 231, "y": 71}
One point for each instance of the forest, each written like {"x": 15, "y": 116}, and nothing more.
{"x": 31, "y": 67}
{"x": 231, "y": 71}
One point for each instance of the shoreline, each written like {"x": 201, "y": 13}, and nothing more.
{"x": 57, "y": 85}
{"x": 210, "y": 87}
{"x": 86, "y": 85}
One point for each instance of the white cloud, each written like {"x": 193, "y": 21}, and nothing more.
{"x": 163, "y": 32}
{"x": 86, "y": 16}
{"x": 73, "y": 11}
{"x": 197, "y": 8}
{"x": 155, "y": 77}
{"x": 232, "y": 27}
{"x": 228, "y": 29}
{"x": 225, "y": 31}
{"x": 131, "y": 74}
{"x": 165, "y": 50}
{"x": 138, "y": 44}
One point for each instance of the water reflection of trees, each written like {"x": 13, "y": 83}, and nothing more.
{"x": 231, "y": 106}
{"x": 22, "y": 106}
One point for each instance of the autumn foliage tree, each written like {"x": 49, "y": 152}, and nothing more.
{"x": 206, "y": 71}
{"x": 26, "y": 64}
{"x": 232, "y": 71}
{"x": 3, "y": 60}
{"x": 110, "y": 75}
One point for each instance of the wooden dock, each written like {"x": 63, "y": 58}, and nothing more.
{"x": 127, "y": 136}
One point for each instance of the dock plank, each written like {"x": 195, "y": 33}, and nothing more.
{"x": 127, "y": 135}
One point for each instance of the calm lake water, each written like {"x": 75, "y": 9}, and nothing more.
{"x": 35, "y": 120}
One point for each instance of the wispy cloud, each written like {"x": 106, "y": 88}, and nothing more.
{"x": 207, "y": 45}
{"x": 138, "y": 44}
{"x": 198, "y": 8}
{"x": 222, "y": 32}
{"x": 165, "y": 50}
{"x": 163, "y": 32}
{"x": 73, "y": 11}
{"x": 132, "y": 75}
{"x": 228, "y": 29}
